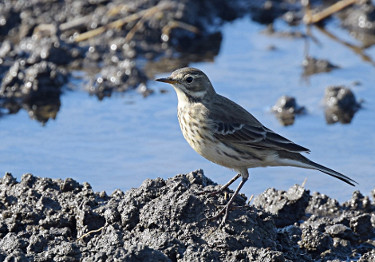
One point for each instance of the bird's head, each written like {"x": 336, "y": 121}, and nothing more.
{"x": 190, "y": 83}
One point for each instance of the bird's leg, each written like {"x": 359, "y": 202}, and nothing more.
{"x": 245, "y": 175}
{"x": 214, "y": 192}
{"x": 225, "y": 210}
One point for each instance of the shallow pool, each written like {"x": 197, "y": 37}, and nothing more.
{"x": 125, "y": 139}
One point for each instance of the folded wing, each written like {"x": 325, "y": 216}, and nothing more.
{"x": 254, "y": 136}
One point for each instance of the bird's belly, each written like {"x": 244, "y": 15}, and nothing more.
{"x": 217, "y": 152}
{"x": 200, "y": 138}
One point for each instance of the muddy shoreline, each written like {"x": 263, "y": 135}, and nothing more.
{"x": 45, "y": 219}
{"x": 121, "y": 45}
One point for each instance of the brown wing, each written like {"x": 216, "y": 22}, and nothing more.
{"x": 256, "y": 137}
{"x": 233, "y": 124}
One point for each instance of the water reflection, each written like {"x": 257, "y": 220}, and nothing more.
{"x": 367, "y": 38}
{"x": 41, "y": 109}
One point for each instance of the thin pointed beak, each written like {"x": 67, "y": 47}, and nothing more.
{"x": 166, "y": 80}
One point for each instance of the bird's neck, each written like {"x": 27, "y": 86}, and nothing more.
{"x": 186, "y": 99}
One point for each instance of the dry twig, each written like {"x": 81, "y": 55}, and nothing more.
{"x": 166, "y": 31}
{"x": 250, "y": 199}
{"x": 90, "y": 232}
{"x": 336, "y": 7}
{"x": 121, "y": 22}
{"x": 356, "y": 49}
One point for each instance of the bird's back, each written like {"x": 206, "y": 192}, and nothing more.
{"x": 252, "y": 132}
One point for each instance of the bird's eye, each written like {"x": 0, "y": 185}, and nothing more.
{"x": 189, "y": 79}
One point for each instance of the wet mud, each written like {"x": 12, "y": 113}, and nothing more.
{"x": 45, "y": 219}
{"x": 340, "y": 104}
{"x": 286, "y": 109}
{"x": 119, "y": 44}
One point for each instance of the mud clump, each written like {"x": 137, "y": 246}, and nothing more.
{"x": 45, "y": 219}
{"x": 313, "y": 65}
{"x": 340, "y": 104}
{"x": 286, "y": 109}
{"x": 286, "y": 207}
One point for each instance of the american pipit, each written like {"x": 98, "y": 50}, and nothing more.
{"x": 226, "y": 134}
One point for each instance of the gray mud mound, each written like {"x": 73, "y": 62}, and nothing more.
{"x": 45, "y": 219}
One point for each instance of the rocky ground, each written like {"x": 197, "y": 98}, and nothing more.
{"x": 45, "y": 219}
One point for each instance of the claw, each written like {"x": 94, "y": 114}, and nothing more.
{"x": 226, "y": 208}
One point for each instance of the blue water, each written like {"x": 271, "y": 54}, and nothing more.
{"x": 123, "y": 140}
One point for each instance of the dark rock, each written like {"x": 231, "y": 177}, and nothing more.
{"x": 313, "y": 65}
{"x": 12, "y": 81}
{"x": 70, "y": 185}
{"x": 11, "y": 242}
{"x": 341, "y": 248}
{"x": 42, "y": 79}
{"x": 315, "y": 241}
{"x": 362, "y": 226}
{"x": 286, "y": 108}
{"x": 10, "y": 18}
{"x": 359, "y": 202}
{"x": 45, "y": 219}
{"x": 120, "y": 78}
{"x": 139, "y": 253}
{"x": 340, "y": 231}
{"x": 340, "y": 96}
{"x": 51, "y": 49}
{"x": 287, "y": 206}
{"x": 322, "y": 205}
{"x": 57, "y": 220}
{"x": 36, "y": 88}
{"x": 340, "y": 105}
{"x": 265, "y": 12}
{"x": 359, "y": 20}
{"x": 367, "y": 257}
{"x": 7, "y": 180}
{"x": 87, "y": 219}
{"x": 288, "y": 238}
{"x": 37, "y": 244}
{"x": 112, "y": 216}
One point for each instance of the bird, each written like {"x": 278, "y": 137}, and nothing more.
{"x": 225, "y": 133}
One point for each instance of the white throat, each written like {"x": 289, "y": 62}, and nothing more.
{"x": 183, "y": 99}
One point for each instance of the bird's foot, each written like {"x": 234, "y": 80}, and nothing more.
{"x": 224, "y": 211}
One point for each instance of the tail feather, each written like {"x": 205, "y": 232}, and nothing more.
{"x": 333, "y": 173}
{"x": 296, "y": 159}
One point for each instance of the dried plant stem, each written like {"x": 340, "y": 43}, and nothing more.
{"x": 314, "y": 18}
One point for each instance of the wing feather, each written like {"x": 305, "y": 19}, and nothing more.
{"x": 233, "y": 124}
